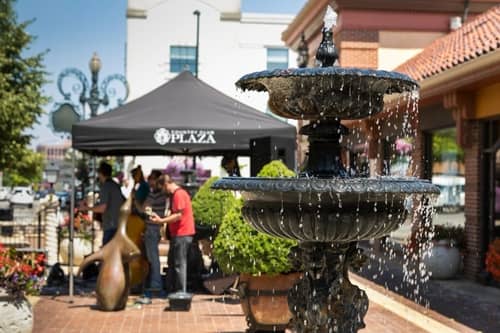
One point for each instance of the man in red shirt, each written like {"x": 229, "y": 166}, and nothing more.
{"x": 181, "y": 227}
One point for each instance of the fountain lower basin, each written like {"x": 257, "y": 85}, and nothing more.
{"x": 327, "y": 210}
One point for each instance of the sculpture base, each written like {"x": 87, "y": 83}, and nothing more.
{"x": 324, "y": 300}
{"x": 180, "y": 301}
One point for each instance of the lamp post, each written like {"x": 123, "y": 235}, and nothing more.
{"x": 51, "y": 174}
{"x": 197, "y": 57}
{"x": 93, "y": 95}
{"x": 93, "y": 99}
{"x": 197, "y": 14}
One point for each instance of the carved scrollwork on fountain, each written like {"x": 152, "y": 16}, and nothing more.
{"x": 333, "y": 92}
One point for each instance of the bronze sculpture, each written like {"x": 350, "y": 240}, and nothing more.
{"x": 113, "y": 282}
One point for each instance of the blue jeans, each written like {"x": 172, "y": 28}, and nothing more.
{"x": 151, "y": 240}
{"x": 108, "y": 235}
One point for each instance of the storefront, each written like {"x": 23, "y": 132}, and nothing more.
{"x": 458, "y": 141}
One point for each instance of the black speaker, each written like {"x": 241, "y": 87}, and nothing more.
{"x": 270, "y": 148}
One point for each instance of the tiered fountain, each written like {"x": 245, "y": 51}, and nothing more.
{"x": 325, "y": 209}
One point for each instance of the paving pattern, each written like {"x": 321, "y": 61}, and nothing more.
{"x": 208, "y": 314}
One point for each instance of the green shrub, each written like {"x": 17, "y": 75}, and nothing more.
{"x": 210, "y": 206}
{"x": 448, "y": 232}
{"x": 239, "y": 248}
{"x": 275, "y": 169}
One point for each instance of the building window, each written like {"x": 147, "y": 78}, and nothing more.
{"x": 182, "y": 58}
{"x": 448, "y": 173}
{"x": 277, "y": 58}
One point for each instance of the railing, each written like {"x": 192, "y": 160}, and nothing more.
{"x": 27, "y": 228}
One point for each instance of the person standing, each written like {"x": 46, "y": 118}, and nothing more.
{"x": 180, "y": 223}
{"x": 157, "y": 203}
{"x": 141, "y": 188}
{"x": 110, "y": 202}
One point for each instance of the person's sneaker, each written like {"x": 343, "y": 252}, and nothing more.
{"x": 143, "y": 300}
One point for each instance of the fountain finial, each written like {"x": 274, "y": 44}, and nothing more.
{"x": 327, "y": 54}
{"x": 330, "y": 19}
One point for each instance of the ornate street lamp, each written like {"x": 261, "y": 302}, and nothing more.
{"x": 93, "y": 99}
{"x": 93, "y": 95}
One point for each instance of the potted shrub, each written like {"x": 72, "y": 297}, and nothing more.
{"x": 209, "y": 207}
{"x": 444, "y": 260}
{"x": 263, "y": 263}
{"x": 21, "y": 275}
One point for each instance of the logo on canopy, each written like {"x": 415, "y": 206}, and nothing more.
{"x": 164, "y": 136}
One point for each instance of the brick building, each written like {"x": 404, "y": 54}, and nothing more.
{"x": 458, "y": 70}
{"x": 54, "y": 152}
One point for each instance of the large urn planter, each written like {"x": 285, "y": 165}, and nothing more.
{"x": 443, "y": 261}
{"x": 16, "y": 315}
{"x": 81, "y": 248}
{"x": 264, "y": 300}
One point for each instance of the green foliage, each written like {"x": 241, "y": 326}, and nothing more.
{"x": 21, "y": 98}
{"x": 448, "y": 232}
{"x": 28, "y": 170}
{"x": 445, "y": 147}
{"x": 210, "y": 206}
{"x": 240, "y": 248}
{"x": 275, "y": 169}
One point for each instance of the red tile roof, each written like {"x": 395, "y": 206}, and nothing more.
{"x": 475, "y": 38}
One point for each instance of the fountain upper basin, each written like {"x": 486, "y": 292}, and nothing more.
{"x": 327, "y": 210}
{"x": 327, "y": 93}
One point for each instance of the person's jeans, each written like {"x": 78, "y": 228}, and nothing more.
{"x": 151, "y": 240}
{"x": 108, "y": 235}
{"x": 177, "y": 262}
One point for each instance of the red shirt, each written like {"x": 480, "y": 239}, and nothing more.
{"x": 181, "y": 202}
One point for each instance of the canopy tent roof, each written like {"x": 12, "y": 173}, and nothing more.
{"x": 183, "y": 116}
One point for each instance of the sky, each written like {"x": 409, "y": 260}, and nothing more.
{"x": 72, "y": 30}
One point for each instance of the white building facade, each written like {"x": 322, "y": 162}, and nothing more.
{"x": 161, "y": 42}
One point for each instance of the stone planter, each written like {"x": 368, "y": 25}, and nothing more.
{"x": 81, "y": 248}
{"x": 264, "y": 300}
{"x": 16, "y": 315}
{"x": 443, "y": 261}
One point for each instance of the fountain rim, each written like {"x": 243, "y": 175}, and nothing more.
{"x": 245, "y": 82}
{"x": 381, "y": 185}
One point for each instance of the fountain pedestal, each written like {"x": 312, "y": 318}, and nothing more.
{"x": 324, "y": 300}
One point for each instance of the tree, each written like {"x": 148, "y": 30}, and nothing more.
{"x": 21, "y": 79}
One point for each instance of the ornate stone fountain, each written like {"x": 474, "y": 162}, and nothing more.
{"x": 325, "y": 209}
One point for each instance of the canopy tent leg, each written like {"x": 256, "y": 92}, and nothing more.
{"x": 72, "y": 227}
{"x": 93, "y": 198}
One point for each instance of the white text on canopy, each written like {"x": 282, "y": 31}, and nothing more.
{"x": 164, "y": 136}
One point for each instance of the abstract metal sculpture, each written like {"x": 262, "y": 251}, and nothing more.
{"x": 112, "y": 286}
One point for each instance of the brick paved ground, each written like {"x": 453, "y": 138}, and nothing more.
{"x": 208, "y": 314}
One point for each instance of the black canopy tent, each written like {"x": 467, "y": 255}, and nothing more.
{"x": 184, "y": 116}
